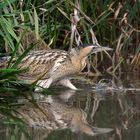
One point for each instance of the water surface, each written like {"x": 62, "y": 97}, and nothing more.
{"x": 106, "y": 109}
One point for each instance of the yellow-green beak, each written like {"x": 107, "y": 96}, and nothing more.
{"x": 97, "y": 48}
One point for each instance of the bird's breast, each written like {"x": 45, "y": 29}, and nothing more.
{"x": 78, "y": 64}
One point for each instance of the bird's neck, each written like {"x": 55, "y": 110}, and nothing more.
{"x": 79, "y": 59}
{"x": 79, "y": 63}
{"x": 84, "y": 52}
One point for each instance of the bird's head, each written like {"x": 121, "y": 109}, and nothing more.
{"x": 82, "y": 52}
{"x": 86, "y": 50}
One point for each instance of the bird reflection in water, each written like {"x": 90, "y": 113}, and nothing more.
{"x": 53, "y": 113}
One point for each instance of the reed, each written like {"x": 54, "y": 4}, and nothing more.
{"x": 114, "y": 23}
{"x": 64, "y": 24}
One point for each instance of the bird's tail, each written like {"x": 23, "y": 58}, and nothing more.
{"x": 3, "y": 61}
{"x": 5, "y": 58}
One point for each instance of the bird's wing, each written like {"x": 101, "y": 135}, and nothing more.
{"x": 39, "y": 64}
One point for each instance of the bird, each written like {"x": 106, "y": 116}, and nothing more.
{"x": 48, "y": 67}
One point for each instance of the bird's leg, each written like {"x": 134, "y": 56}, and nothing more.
{"x": 67, "y": 83}
{"x": 43, "y": 84}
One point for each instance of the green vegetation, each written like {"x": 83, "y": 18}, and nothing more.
{"x": 64, "y": 24}
{"x": 114, "y": 24}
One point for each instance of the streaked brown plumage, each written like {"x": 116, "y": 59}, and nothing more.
{"x": 56, "y": 66}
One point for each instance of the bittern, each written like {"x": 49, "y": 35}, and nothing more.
{"x": 52, "y": 66}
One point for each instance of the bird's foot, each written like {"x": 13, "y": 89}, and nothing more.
{"x": 67, "y": 83}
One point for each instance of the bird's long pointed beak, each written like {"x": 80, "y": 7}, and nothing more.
{"x": 100, "y": 49}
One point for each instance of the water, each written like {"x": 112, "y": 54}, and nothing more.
{"x": 107, "y": 110}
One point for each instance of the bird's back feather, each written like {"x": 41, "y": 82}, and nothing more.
{"x": 44, "y": 63}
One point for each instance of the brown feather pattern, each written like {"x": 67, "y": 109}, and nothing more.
{"x": 50, "y": 66}
{"x": 46, "y": 63}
